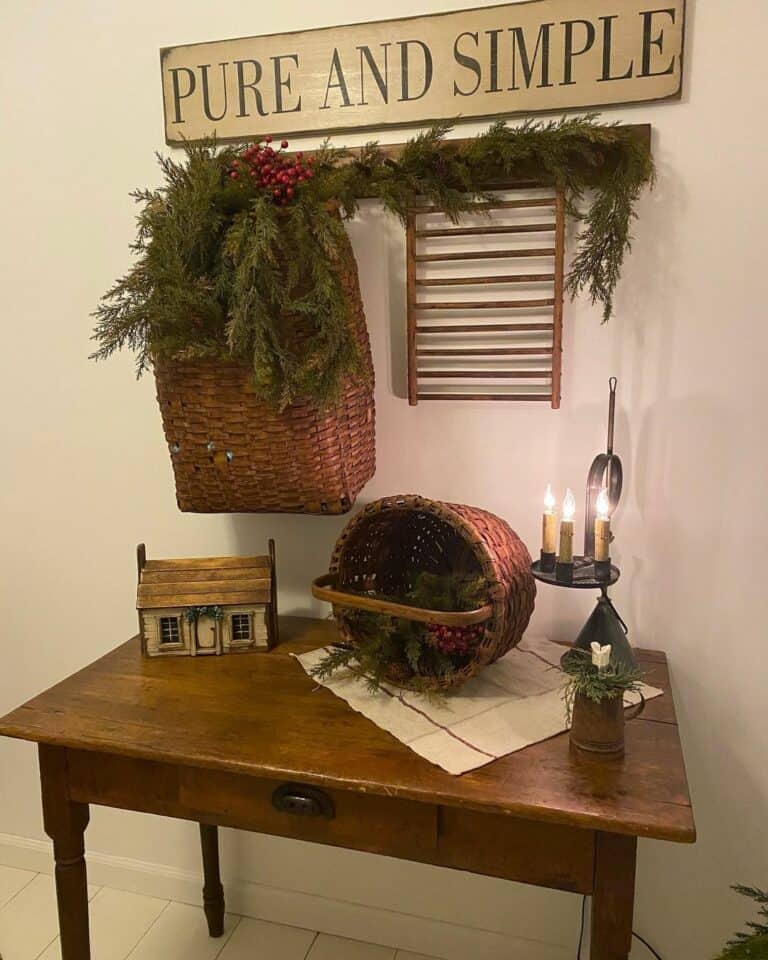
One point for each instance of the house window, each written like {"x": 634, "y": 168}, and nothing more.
{"x": 169, "y": 630}
{"x": 241, "y": 627}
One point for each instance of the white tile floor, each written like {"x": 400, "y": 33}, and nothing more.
{"x": 126, "y": 925}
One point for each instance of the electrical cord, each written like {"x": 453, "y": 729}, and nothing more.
{"x": 581, "y": 934}
{"x": 646, "y": 945}
{"x": 581, "y": 929}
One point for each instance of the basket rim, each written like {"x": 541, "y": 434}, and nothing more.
{"x": 439, "y": 508}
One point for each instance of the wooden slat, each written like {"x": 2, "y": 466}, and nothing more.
{"x": 483, "y": 304}
{"x": 484, "y": 351}
{"x": 487, "y": 231}
{"x": 205, "y": 563}
{"x": 543, "y": 252}
{"x": 485, "y": 396}
{"x": 486, "y": 374}
{"x": 485, "y": 328}
{"x": 557, "y": 313}
{"x": 410, "y": 261}
{"x": 483, "y": 281}
{"x": 498, "y": 204}
{"x": 207, "y": 576}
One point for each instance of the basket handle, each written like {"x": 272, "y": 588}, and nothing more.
{"x": 324, "y": 588}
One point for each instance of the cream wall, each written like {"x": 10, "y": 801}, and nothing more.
{"x": 85, "y": 472}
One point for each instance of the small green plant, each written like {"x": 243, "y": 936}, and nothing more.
{"x": 596, "y": 685}
{"x": 417, "y": 653}
{"x": 752, "y": 944}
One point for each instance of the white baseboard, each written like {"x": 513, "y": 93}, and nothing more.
{"x": 356, "y": 921}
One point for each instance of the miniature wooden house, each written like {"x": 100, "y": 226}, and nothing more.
{"x": 207, "y": 605}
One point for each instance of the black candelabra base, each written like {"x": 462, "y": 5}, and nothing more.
{"x": 604, "y": 624}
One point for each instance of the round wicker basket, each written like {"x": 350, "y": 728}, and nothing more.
{"x": 389, "y": 543}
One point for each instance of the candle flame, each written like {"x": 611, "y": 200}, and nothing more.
{"x": 603, "y": 505}
{"x": 549, "y": 499}
{"x": 569, "y": 505}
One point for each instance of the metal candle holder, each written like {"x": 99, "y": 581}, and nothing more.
{"x": 604, "y": 625}
{"x": 606, "y": 472}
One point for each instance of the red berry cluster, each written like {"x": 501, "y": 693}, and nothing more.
{"x": 456, "y": 641}
{"x": 272, "y": 170}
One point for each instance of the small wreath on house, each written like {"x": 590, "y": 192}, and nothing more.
{"x": 193, "y": 614}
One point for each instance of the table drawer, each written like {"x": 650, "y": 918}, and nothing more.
{"x": 398, "y": 828}
{"x": 497, "y": 845}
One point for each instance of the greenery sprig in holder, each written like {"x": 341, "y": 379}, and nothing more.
{"x": 395, "y": 650}
{"x": 237, "y": 238}
{"x": 594, "y": 698}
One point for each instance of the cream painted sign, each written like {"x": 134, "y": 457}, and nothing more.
{"x": 531, "y": 57}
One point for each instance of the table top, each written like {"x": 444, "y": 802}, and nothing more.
{"x": 260, "y": 715}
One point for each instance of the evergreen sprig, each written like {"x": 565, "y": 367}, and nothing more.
{"x": 382, "y": 641}
{"x": 753, "y": 944}
{"x": 596, "y": 685}
{"x": 221, "y": 271}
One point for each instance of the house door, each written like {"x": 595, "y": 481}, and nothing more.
{"x": 207, "y": 635}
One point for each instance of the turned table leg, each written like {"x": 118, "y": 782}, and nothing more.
{"x": 613, "y": 898}
{"x": 213, "y": 892}
{"x": 65, "y": 823}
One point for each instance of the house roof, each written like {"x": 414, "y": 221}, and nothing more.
{"x": 204, "y": 581}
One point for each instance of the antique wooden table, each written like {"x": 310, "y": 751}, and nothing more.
{"x": 212, "y": 739}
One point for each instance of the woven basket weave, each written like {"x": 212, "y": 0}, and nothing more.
{"x": 391, "y": 541}
{"x": 233, "y": 452}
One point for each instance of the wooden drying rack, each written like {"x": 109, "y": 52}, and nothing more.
{"x": 545, "y": 356}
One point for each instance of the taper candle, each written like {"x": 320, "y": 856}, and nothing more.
{"x": 602, "y": 527}
{"x": 549, "y": 523}
{"x": 565, "y": 555}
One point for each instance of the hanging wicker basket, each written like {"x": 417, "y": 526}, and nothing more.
{"x": 233, "y": 453}
{"x": 387, "y": 545}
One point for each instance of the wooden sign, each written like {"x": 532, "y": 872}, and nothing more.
{"x": 531, "y": 57}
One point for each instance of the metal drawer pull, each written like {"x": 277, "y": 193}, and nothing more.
{"x": 303, "y": 801}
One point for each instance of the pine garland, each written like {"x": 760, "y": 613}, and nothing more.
{"x": 223, "y": 271}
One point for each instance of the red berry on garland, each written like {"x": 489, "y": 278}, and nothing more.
{"x": 284, "y": 144}
{"x": 299, "y": 155}
{"x": 234, "y": 174}
{"x": 268, "y": 139}
{"x": 290, "y": 191}
{"x": 276, "y": 193}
